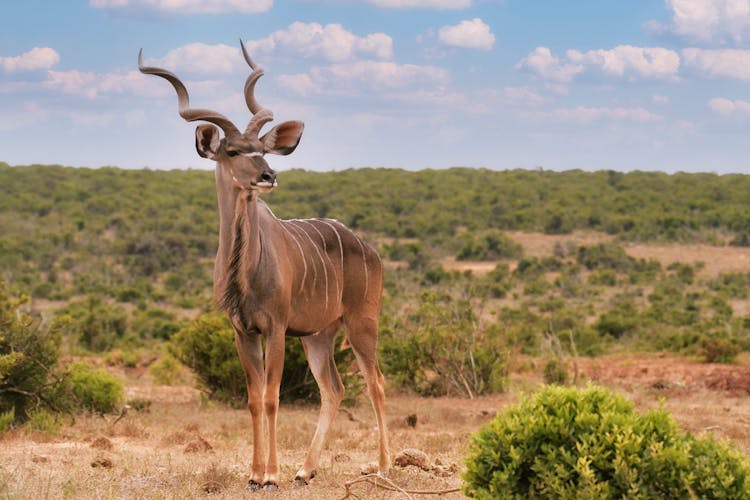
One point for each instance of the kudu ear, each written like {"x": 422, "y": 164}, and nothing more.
{"x": 283, "y": 138}
{"x": 207, "y": 140}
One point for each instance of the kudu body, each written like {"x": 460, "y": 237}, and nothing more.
{"x": 306, "y": 278}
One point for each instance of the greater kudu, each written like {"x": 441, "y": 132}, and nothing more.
{"x": 303, "y": 277}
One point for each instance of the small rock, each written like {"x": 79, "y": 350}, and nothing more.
{"x": 411, "y": 420}
{"x": 444, "y": 470}
{"x": 102, "y": 443}
{"x": 341, "y": 457}
{"x": 212, "y": 487}
{"x": 103, "y": 462}
{"x": 413, "y": 456}
{"x": 198, "y": 446}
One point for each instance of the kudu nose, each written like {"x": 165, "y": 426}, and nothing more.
{"x": 268, "y": 176}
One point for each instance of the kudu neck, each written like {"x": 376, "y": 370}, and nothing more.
{"x": 231, "y": 200}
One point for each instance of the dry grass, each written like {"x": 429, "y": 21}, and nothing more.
{"x": 145, "y": 455}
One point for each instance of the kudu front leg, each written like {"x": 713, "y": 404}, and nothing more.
{"x": 250, "y": 353}
{"x": 274, "y": 369}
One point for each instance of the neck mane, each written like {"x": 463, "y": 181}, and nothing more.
{"x": 239, "y": 246}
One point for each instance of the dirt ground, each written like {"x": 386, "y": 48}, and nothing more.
{"x": 183, "y": 447}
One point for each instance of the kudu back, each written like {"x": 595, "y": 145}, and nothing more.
{"x": 275, "y": 278}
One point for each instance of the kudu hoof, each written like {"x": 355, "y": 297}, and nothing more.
{"x": 301, "y": 481}
{"x": 253, "y": 485}
{"x": 270, "y": 487}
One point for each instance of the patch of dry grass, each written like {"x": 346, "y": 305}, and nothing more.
{"x": 149, "y": 459}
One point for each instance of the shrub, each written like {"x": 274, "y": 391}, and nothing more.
{"x": 592, "y": 443}
{"x": 718, "y": 349}
{"x": 6, "y": 420}
{"x": 556, "y": 372}
{"x": 491, "y": 245}
{"x": 445, "y": 352}
{"x": 95, "y": 390}
{"x": 166, "y": 371}
{"x": 96, "y": 325}
{"x": 206, "y": 346}
{"x": 28, "y": 358}
{"x": 41, "y": 420}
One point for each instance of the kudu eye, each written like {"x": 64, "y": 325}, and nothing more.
{"x": 232, "y": 153}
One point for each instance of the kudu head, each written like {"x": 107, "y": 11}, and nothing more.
{"x": 240, "y": 154}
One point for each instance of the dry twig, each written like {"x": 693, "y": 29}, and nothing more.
{"x": 381, "y": 482}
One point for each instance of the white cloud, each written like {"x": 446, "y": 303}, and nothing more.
{"x": 300, "y": 84}
{"x": 361, "y": 76}
{"x": 35, "y": 59}
{"x": 660, "y": 99}
{"x": 94, "y": 85}
{"x": 732, "y": 63}
{"x": 650, "y": 62}
{"x": 187, "y": 6}
{"x": 331, "y": 42}
{"x": 202, "y": 58}
{"x": 542, "y": 62}
{"x": 709, "y": 19}
{"x": 585, "y": 115}
{"x": 521, "y": 95}
{"x": 727, "y": 107}
{"x": 621, "y": 61}
{"x": 474, "y": 34}
{"x": 427, "y": 4}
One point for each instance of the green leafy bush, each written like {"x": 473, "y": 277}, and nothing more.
{"x": 444, "y": 351}
{"x": 166, "y": 370}
{"x": 556, "y": 372}
{"x": 207, "y": 347}
{"x": 96, "y": 325}
{"x": 490, "y": 245}
{"x": 592, "y": 443}
{"x": 95, "y": 390}
{"x": 6, "y": 420}
{"x": 28, "y": 358}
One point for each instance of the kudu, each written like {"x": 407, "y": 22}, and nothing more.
{"x": 274, "y": 278}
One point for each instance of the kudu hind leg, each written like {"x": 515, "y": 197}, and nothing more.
{"x": 319, "y": 352}
{"x": 250, "y": 352}
{"x": 363, "y": 337}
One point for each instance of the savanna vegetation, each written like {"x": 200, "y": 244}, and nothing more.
{"x": 119, "y": 262}
{"x": 112, "y": 267}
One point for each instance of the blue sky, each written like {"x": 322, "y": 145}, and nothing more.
{"x": 604, "y": 84}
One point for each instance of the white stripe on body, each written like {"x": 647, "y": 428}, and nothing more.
{"x": 301, "y": 254}
{"x": 325, "y": 252}
{"x": 320, "y": 256}
{"x": 298, "y": 230}
{"x": 327, "y": 222}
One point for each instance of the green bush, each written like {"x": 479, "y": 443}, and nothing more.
{"x": 206, "y": 346}
{"x": 95, "y": 325}
{"x": 41, "y": 420}
{"x": 444, "y": 351}
{"x": 556, "y": 372}
{"x": 166, "y": 371}
{"x": 490, "y": 245}
{"x": 28, "y": 359}
{"x": 718, "y": 349}
{"x": 6, "y": 420}
{"x": 95, "y": 390}
{"x": 592, "y": 443}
